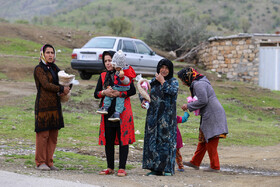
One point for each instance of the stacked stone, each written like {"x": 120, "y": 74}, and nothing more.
{"x": 237, "y": 58}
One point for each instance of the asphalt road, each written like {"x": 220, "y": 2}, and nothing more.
{"x": 9, "y": 179}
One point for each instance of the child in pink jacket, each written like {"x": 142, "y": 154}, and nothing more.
{"x": 179, "y": 160}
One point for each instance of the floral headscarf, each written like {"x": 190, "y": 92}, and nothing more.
{"x": 43, "y": 49}
{"x": 188, "y": 75}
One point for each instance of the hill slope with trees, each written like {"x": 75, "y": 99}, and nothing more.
{"x": 166, "y": 24}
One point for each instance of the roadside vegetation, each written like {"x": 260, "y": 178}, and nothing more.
{"x": 252, "y": 113}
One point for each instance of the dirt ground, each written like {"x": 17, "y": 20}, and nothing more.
{"x": 240, "y": 166}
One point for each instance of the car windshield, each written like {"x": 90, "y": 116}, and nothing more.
{"x": 107, "y": 43}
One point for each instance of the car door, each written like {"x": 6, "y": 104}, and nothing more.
{"x": 129, "y": 50}
{"x": 148, "y": 60}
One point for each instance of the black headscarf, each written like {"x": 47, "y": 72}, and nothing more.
{"x": 110, "y": 74}
{"x": 167, "y": 63}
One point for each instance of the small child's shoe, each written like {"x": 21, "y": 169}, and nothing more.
{"x": 181, "y": 170}
{"x": 115, "y": 117}
{"x": 102, "y": 110}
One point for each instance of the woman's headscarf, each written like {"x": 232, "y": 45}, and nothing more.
{"x": 49, "y": 66}
{"x": 167, "y": 63}
{"x": 188, "y": 75}
{"x": 42, "y": 51}
{"x": 110, "y": 74}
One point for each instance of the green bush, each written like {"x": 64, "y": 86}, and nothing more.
{"x": 120, "y": 26}
{"x": 2, "y": 20}
{"x": 174, "y": 33}
{"x": 22, "y": 21}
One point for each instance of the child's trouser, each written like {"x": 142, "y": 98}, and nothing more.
{"x": 179, "y": 159}
{"x": 119, "y": 100}
{"x": 211, "y": 148}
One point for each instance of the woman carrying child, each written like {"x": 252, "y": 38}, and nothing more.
{"x": 114, "y": 133}
{"x": 122, "y": 80}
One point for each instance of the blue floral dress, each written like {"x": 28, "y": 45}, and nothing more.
{"x": 159, "y": 150}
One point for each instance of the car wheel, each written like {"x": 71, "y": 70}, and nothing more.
{"x": 85, "y": 76}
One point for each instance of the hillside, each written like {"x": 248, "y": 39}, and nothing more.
{"x": 221, "y": 17}
{"x": 26, "y": 9}
{"x": 57, "y": 36}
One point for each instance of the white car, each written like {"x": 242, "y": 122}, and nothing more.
{"x": 88, "y": 59}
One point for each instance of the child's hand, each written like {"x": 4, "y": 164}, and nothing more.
{"x": 121, "y": 74}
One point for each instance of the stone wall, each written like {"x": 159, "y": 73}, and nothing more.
{"x": 237, "y": 58}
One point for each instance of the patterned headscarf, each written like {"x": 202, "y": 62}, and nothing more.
{"x": 43, "y": 49}
{"x": 188, "y": 75}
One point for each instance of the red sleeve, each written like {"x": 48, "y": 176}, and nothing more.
{"x": 100, "y": 95}
{"x": 130, "y": 72}
{"x": 179, "y": 119}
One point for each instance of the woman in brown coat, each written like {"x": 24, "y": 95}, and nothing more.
{"x": 48, "y": 114}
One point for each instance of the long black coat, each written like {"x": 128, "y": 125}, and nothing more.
{"x": 48, "y": 113}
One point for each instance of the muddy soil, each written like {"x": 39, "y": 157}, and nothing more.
{"x": 240, "y": 165}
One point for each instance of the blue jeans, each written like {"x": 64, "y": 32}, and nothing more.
{"x": 119, "y": 100}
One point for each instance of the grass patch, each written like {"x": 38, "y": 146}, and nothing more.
{"x": 25, "y": 48}
{"x": 73, "y": 161}
{"x": 16, "y": 46}
{"x": 20, "y": 47}
{"x": 3, "y": 76}
{"x": 65, "y": 161}
{"x": 9, "y": 160}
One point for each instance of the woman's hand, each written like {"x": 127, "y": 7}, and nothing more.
{"x": 185, "y": 107}
{"x": 160, "y": 78}
{"x": 109, "y": 92}
{"x": 66, "y": 90}
{"x": 115, "y": 93}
